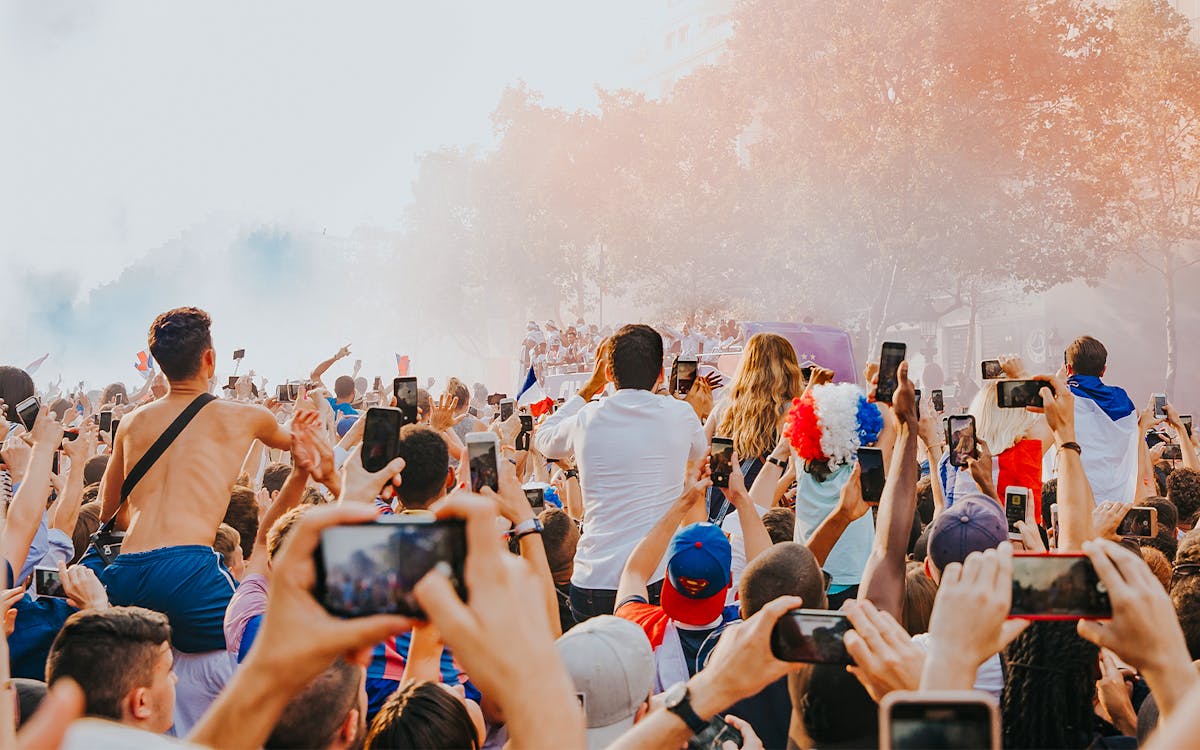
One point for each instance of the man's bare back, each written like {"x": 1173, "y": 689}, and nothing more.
{"x": 184, "y": 496}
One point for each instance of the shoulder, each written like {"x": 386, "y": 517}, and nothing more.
{"x": 649, "y": 617}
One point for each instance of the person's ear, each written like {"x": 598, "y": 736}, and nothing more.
{"x": 348, "y": 732}
{"x": 642, "y": 710}
{"x": 139, "y": 705}
{"x": 451, "y": 479}
{"x": 275, "y": 494}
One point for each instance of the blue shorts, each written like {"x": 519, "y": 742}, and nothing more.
{"x": 189, "y": 584}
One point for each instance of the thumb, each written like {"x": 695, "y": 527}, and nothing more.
{"x": 443, "y": 607}
{"x": 1093, "y": 630}
{"x": 1011, "y": 629}
{"x": 61, "y": 707}
{"x": 394, "y": 467}
{"x": 366, "y": 632}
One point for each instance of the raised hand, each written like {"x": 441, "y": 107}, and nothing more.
{"x": 82, "y": 587}
{"x": 441, "y": 413}
{"x": 700, "y": 398}
{"x": 360, "y": 485}
{"x": 904, "y": 400}
{"x": 981, "y": 469}
{"x": 1059, "y": 408}
{"x": 1107, "y": 517}
{"x": 885, "y": 657}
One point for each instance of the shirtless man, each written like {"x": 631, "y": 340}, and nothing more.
{"x": 167, "y": 562}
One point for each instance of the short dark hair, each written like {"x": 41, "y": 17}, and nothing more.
{"x": 560, "y": 537}
{"x": 226, "y": 541}
{"x": 15, "y": 387}
{"x": 109, "y": 652}
{"x": 242, "y": 514}
{"x": 637, "y": 356}
{"x": 274, "y": 476}
{"x": 1185, "y": 596}
{"x": 1049, "y": 498}
{"x": 93, "y": 470}
{"x": 1086, "y": 356}
{"x": 780, "y": 524}
{"x": 282, "y": 527}
{"x": 423, "y": 715}
{"x": 314, "y": 715}
{"x": 86, "y": 524}
{"x": 786, "y": 569}
{"x": 426, "y": 463}
{"x": 178, "y": 340}
{"x": 1183, "y": 489}
{"x": 925, "y": 499}
{"x": 343, "y": 387}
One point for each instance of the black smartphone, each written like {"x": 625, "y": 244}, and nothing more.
{"x": 1016, "y": 500}
{"x": 870, "y": 472}
{"x": 1017, "y": 394}
{"x": 917, "y": 396}
{"x": 47, "y": 582}
{"x": 889, "y": 363}
{"x": 683, "y": 375}
{"x": 813, "y": 636}
{"x": 1057, "y": 587}
{"x": 238, "y": 354}
{"x": 715, "y": 735}
{"x": 961, "y": 719}
{"x": 483, "y": 451}
{"x": 1173, "y": 452}
{"x": 27, "y": 412}
{"x": 116, "y": 425}
{"x": 522, "y": 443}
{"x": 106, "y": 422}
{"x": 232, "y": 382}
{"x": 1186, "y": 419}
{"x": 405, "y": 391}
{"x": 371, "y": 568}
{"x": 495, "y": 398}
{"x": 54, "y": 462}
{"x": 1139, "y": 523}
{"x": 283, "y": 393}
{"x": 1160, "y": 406}
{"x": 720, "y": 461}
{"x": 806, "y": 371}
{"x": 381, "y": 437}
{"x": 939, "y": 402}
{"x": 990, "y": 369}
{"x": 536, "y": 497}
{"x": 961, "y": 439}
{"x": 507, "y": 407}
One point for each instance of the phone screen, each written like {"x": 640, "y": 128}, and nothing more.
{"x": 239, "y": 353}
{"x": 715, "y": 735}
{"x": 283, "y": 393}
{"x": 381, "y": 434}
{"x": 685, "y": 375}
{"x": 483, "y": 465}
{"x": 536, "y": 497}
{"x": 46, "y": 582}
{"x": 813, "y": 636}
{"x": 889, "y": 363}
{"x": 116, "y": 425}
{"x": 1173, "y": 452}
{"x": 720, "y": 461}
{"x": 961, "y": 439}
{"x": 1015, "y": 503}
{"x": 939, "y": 402}
{"x": 1160, "y": 405}
{"x": 27, "y": 412}
{"x": 991, "y": 369}
{"x": 870, "y": 467}
{"x": 367, "y": 569}
{"x": 378, "y": 384}
{"x": 506, "y": 409}
{"x": 1017, "y": 394}
{"x": 1186, "y": 419}
{"x": 1139, "y": 522}
{"x": 917, "y": 726}
{"x": 106, "y": 422}
{"x": 1057, "y": 587}
{"x": 405, "y": 391}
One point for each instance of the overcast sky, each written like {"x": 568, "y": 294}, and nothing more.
{"x": 128, "y": 122}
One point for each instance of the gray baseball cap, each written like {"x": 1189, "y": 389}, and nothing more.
{"x": 612, "y": 665}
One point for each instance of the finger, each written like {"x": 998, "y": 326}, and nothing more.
{"x": 770, "y": 614}
{"x": 1118, "y": 589}
{"x": 59, "y": 709}
{"x": 394, "y": 467}
{"x": 1095, "y": 631}
{"x": 482, "y": 539}
{"x": 1011, "y": 629}
{"x": 952, "y": 575}
{"x": 441, "y": 603}
{"x": 303, "y": 539}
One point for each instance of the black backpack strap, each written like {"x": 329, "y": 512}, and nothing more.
{"x": 160, "y": 447}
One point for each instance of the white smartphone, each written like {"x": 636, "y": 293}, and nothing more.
{"x": 1016, "y": 508}
{"x": 483, "y": 460}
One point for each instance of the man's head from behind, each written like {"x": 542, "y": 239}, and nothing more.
{"x": 121, "y": 658}
{"x": 1183, "y": 489}
{"x": 181, "y": 343}
{"x": 1086, "y": 356}
{"x": 965, "y": 527}
{"x": 560, "y": 537}
{"x": 698, "y": 576}
{"x": 330, "y": 713}
{"x": 343, "y": 388}
{"x": 637, "y": 357}
{"x": 612, "y": 667}
{"x": 786, "y": 569}
{"x": 426, "y": 466}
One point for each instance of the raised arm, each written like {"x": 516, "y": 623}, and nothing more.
{"x": 883, "y": 578}
{"x": 649, "y": 552}
{"x": 1190, "y": 459}
{"x": 290, "y": 495}
{"x": 754, "y": 533}
{"x": 849, "y": 509}
{"x": 65, "y": 511}
{"x": 321, "y": 368}
{"x": 554, "y": 438}
{"x": 29, "y": 501}
{"x": 269, "y": 431}
{"x": 1075, "y": 501}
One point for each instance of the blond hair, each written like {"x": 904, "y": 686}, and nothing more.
{"x": 767, "y": 380}
{"x": 1000, "y": 428}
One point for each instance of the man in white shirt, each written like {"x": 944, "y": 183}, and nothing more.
{"x": 632, "y": 449}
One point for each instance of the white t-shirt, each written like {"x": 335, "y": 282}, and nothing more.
{"x": 989, "y": 678}
{"x": 632, "y": 449}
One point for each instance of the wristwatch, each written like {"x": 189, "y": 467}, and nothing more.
{"x": 1071, "y": 446}
{"x": 525, "y": 528}
{"x": 679, "y": 702}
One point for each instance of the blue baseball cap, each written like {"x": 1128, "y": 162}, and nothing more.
{"x": 698, "y": 576}
{"x": 344, "y": 424}
{"x": 972, "y": 525}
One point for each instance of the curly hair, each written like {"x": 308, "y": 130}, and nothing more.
{"x": 1047, "y": 699}
{"x": 767, "y": 380}
{"x": 178, "y": 340}
{"x": 1183, "y": 489}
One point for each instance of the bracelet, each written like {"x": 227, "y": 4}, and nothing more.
{"x": 781, "y": 464}
{"x": 525, "y": 528}
{"x": 1071, "y": 446}
{"x": 571, "y": 473}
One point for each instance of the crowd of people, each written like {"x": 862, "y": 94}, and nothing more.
{"x": 639, "y": 608}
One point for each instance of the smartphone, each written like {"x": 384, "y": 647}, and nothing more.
{"x": 381, "y": 437}
{"x": 54, "y": 462}
{"x": 870, "y": 468}
{"x": 1016, "y": 502}
{"x": 1017, "y": 394}
{"x": 917, "y": 396}
{"x": 1186, "y": 419}
{"x": 961, "y": 439}
{"x": 1057, "y": 587}
{"x": 116, "y": 425}
{"x": 27, "y": 412}
{"x": 522, "y": 443}
{"x": 1160, "y": 406}
{"x": 106, "y": 422}
{"x": 911, "y": 720}
{"x": 232, "y": 382}
{"x": 371, "y": 568}
{"x": 1139, "y": 523}
{"x": 283, "y": 393}
{"x": 378, "y": 384}
{"x": 405, "y": 391}
{"x": 46, "y": 582}
{"x": 536, "y": 497}
{"x": 483, "y": 452}
{"x": 683, "y": 374}
{"x": 238, "y": 354}
{"x": 939, "y": 401}
{"x": 806, "y": 371}
{"x": 990, "y": 369}
{"x": 494, "y": 399}
{"x": 1173, "y": 452}
{"x": 813, "y": 636}
{"x": 720, "y": 461}
{"x": 1054, "y": 521}
{"x": 507, "y": 407}
{"x": 715, "y": 735}
{"x": 889, "y": 363}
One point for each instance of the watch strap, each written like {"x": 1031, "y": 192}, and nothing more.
{"x": 782, "y": 464}
{"x": 1071, "y": 446}
{"x": 683, "y": 709}
{"x": 526, "y": 527}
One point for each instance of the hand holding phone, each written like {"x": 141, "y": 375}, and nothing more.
{"x": 683, "y": 375}
{"x": 1018, "y": 394}
{"x": 990, "y": 369}
{"x": 381, "y": 437}
{"x": 812, "y": 636}
{"x": 888, "y": 381}
{"x": 871, "y": 476}
{"x": 924, "y": 719}
{"x": 47, "y": 582}
{"x": 720, "y": 461}
{"x": 1160, "y": 406}
{"x": 961, "y": 439}
{"x": 1016, "y": 506}
{"x": 483, "y": 452}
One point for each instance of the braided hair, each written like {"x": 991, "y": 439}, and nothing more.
{"x": 1050, "y": 686}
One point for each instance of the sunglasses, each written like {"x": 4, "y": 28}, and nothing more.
{"x": 1184, "y": 570}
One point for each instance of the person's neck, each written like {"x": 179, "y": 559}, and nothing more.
{"x": 190, "y": 387}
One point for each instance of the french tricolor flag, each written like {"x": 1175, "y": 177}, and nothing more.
{"x": 533, "y": 397}
{"x": 1106, "y": 427}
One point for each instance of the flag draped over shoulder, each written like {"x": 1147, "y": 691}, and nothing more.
{"x": 1106, "y": 428}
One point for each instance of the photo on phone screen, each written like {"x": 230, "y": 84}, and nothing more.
{"x": 1173, "y": 452}
{"x": 814, "y": 636}
{"x": 1160, "y": 405}
{"x": 990, "y": 369}
{"x": 1139, "y": 523}
{"x": 715, "y": 735}
{"x": 917, "y": 403}
{"x": 483, "y": 449}
{"x": 371, "y": 568}
{"x": 507, "y": 407}
{"x": 381, "y": 437}
{"x": 378, "y": 384}
{"x": 46, "y": 582}
{"x": 405, "y": 391}
{"x": 283, "y": 394}
{"x": 27, "y": 412}
{"x": 870, "y": 468}
{"x": 961, "y": 439}
{"x": 536, "y": 497}
{"x": 889, "y": 364}
{"x": 720, "y": 461}
{"x": 1057, "y": 587}
{"x": 684, "y": 375}
{"x": 1016, "y": 501}
{"x": 1186, "y": 419}
{"x": 939, "y": 401}
{"x": 1017, "y": 394}
{"x": 918, "y": 721}
{"x": 239, "y": 354}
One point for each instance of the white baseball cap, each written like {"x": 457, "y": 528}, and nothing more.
{"x": 612, "y": 666}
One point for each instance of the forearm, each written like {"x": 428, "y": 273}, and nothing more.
{"x": 762, "y": 492}
{"x": 1075, "y": 502}
{"x": 253, "y": 463}
{"x": 28, "y": 505}
{"x": 289, "y": 497}
{"x": 883, "y": 578}
{"x": 574, "y": 499}
{"x": 659, "y": 729}
{"x": 320, "y": 369}
{"x": 246, "y": 711}
{"x": 826, "y": 536}
{"x": 543, "y": 712}
{"x": 454, "y": 445}
{"x": 647, "y": 554}
{"x": 754, "y": 533}
{"x": 935, "y": 484}
{"x": 1171, "y": 682}
{"x": 947, "y": 671}
{"x": 534, "y": 552}
{"x": 65, "y": 512}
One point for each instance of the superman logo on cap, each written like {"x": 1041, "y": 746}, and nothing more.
{"x": 691, "y": 586}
